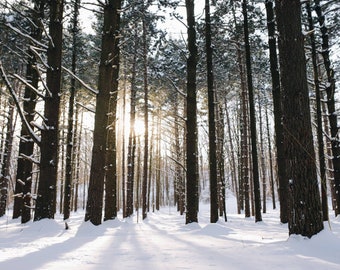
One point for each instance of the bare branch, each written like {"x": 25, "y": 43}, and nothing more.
{"x": 35, "y": 138}
{"x": 26, "y": 36}
{"x": 36, "y": 91}
{"x": 80, "y": 81}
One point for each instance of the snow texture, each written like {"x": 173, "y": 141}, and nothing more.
{"x": 163, "y": 241}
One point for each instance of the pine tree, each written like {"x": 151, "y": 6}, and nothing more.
{"x": 191, "y": 122}
{"x": 305, "y": 216}
{"x": 46, "y": 197}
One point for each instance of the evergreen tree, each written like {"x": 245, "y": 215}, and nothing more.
{"x": 305, "y": 216}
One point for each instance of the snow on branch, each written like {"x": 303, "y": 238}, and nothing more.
{"x": 30, "y": 158}
{"x": 86, "y": 108}
{"x": 178, "y": 163}
{"x": 37, "y": 54}
{"x": 35, "y": 90}
{"x": 176, "y": 88}
{"x": 26, "y": 36}
{"x": 34, "y": 136}
{"x": 42, "y": 81}
{"x": 80, "y": 81}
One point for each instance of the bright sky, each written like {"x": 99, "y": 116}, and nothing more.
{"x": 174, "y": 27}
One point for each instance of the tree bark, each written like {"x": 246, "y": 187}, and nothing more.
{"x": 211, "y": 116}
{"x": 191, "y": 122}
{"x": 276, "y": 91}
{"x": 46, "y": 197}
{"x": 146, "y": 124}
{"x": 70, "y": 134}
{"x": 305, "y": 216}
{"x": 332, "y": 115}
{"x": 256, "y": 181}
{"x": 321, "y": 147}
{"x": 106, "y": 83}
{"x": 22, "y": 204}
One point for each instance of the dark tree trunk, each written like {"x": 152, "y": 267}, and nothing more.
{"x": 106, "y": 83}
{"x": 274, "y": 69}
{"x": 233, "y": 161}
{"x": 220, "y": 160}
{"x": 256, "y": 181}
{"x": 6, "y": 163}
{"x": 305, "y": 216}
{"x": 132, "y": 134}
{"x": 46, "y": 197}
{"x": 191, "y": 122}
{"x": 69, "y": 142}
{"x": 332, "y": 115}
{"x": 179, "y": 181}
{"x": 146, "y": 125}
{"x": 272, "y": 185}
{"x": 22, "y": 204}
{"x": 321, "y": 147}
{"x": 263, "y": 165}
{"x": 212, "y": 126}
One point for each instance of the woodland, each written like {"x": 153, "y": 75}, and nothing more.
{"x": 130, "y": 116}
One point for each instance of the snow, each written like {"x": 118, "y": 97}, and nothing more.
{"x": 163, "y": 241}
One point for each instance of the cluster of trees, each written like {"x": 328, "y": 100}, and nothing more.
{"x": 222, "y": 105}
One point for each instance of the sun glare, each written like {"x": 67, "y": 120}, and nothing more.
{"x": 139, "y": 127}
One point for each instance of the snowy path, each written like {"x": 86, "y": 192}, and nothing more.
{"x": 164, "y": 242}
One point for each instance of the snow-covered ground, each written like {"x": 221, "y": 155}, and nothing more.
{"x": 163, "y": 241}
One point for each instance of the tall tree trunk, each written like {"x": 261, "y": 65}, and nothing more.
{"x": 272, "y": 185}
{"x": 146, "y": 122}
{"x": 191, "y": 123}
{"x": 220, "y": 160}
{"x": 233, "y": 161}
{"x": 22, "y": 204}
{"x": 159, "y": 163}
{"x": 110, "y": 210}
{"x": 5, "y": 173}
{"x": 69, "y": 142}
{"x": 212, "y": 126}
{"x": 305, "y": 216}
{"x": 263, "y": 165}
{"x": 106, "y": 84}
{"x": 132, "y": 134}
{"x": 256, "y": 181}
{"x": 321, "y": 147}
{"x": 274, "y": 70}
{"x": 332, "y": 115}
{"x": 46, "y": 197}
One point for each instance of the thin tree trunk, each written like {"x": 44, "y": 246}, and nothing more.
{"x": 132, "y": 134}
{"x": 146, "y": 122}
{"x": 272, "y": 185}
{"x": 321, "y": 147}
{"x": 332, "y": 115}
{"x": 233, "y": 161}
{"x": 263, "y": 165}
{"x": 256, "y": 181}
{"x": 70, "y": 134}
{"x": 212, "y": 126}
{"x": 274, "y": 70}
{"x": 5, "y": 174}
{"x": 191, "y": 123}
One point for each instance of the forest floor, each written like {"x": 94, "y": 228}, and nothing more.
{"x": 163, "y": 241}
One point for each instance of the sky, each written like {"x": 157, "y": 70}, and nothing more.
{"x": 174, "y": 27}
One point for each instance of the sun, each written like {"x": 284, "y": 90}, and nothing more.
{"x": 139, "y": 127}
